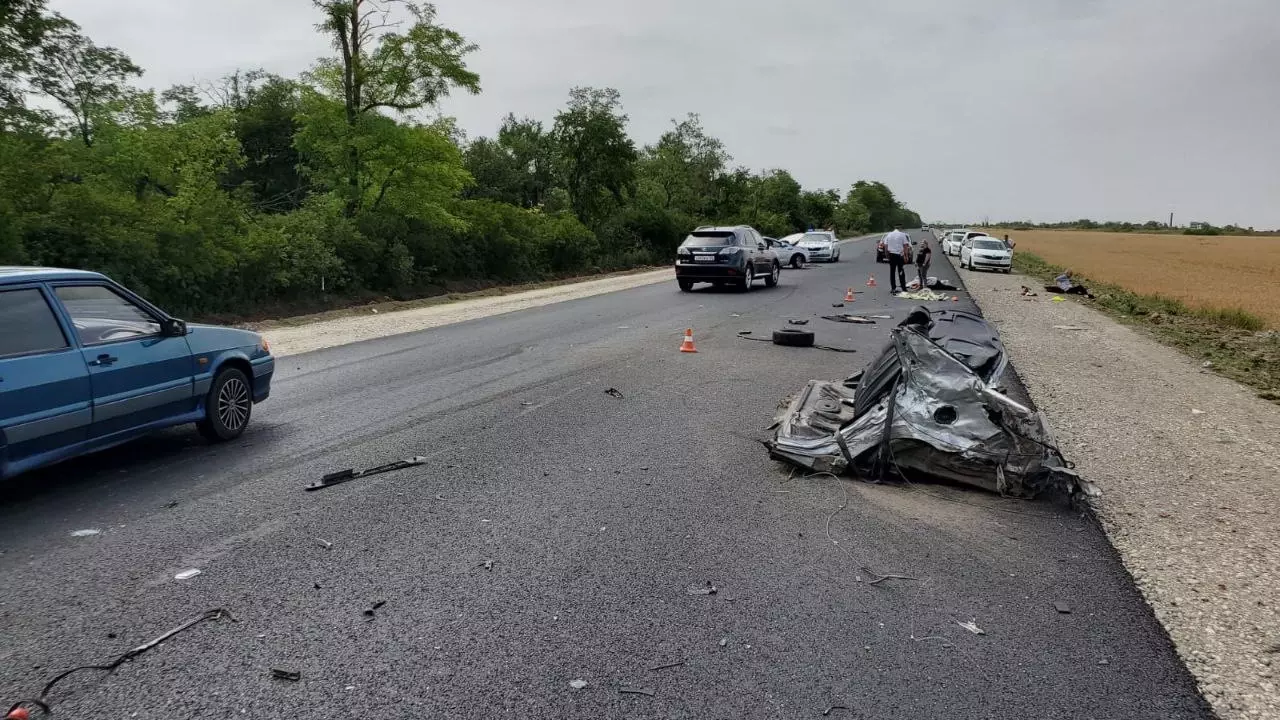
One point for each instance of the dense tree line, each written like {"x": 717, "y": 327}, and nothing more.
{"x": 1151, "y": 226}
{"x": 258, "y": 190}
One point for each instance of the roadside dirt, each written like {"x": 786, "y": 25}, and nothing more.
{"x": 371, "y": 323}
{"x": 1187, "y": 462}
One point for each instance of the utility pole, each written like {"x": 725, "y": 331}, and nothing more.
{"x": 1170, "y": 219}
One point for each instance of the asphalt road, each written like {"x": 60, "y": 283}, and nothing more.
{"x": 597, "y": 514}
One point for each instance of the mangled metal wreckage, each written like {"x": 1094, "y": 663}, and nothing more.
{"x": 927, "y": 404}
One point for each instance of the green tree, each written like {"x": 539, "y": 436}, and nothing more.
{"x": 380, "y": 68}
{"x": 82, "y": 77}
{"x": 597, "y": 156}
{"x": 681, "y": 170}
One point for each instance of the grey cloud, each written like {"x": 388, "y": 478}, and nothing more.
{"x": 1042, "y": 109}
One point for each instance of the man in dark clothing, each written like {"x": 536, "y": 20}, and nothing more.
{"x": 923, "y": 257}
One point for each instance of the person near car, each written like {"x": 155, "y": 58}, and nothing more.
{"x": 1007, "y": 242}
{"x": 1066, "y": 283}
{"x": 924, "y": 256}
{"x": 895, "y": 246}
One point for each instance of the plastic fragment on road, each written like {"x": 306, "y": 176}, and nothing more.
{"x": 349, "y": 474}
{"x": 615, "y": 392}
{"x": 846, "y": 318}
{"x": 1196, "y": 412}
{"x": 637, "y": 691}
{"x": 707, "y": 589}
{"x": 87, "y": 532}
{"x": 577, "y": 684}
{"x": 1062, "y": 607}
{"x": 290, "y": 675}
{"x": 972, "y": 626}
{"x": 924, "y": 295}
{"x": 928, "y": 403}
{"x": 1067, "y": 327}
{"x": 1058, "y": 298}
{"x": 187, "y": 574}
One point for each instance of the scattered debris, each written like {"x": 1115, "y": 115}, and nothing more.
{"x": 881, "y": 578}
{"x": 577, "y": 684}
{"x": 341, "y": 476}
{"x": 487, "y": 565}
{"x": 371, "y": 610}
{"x": 1104, "y": 661}
{"x": 724, "y": 641}
{"x": 677, "y": 663}
{"x": 1059, "y": 298}
{"x": 614, "y": 392}
{"x": 926, "y": 295}
{"x": 833, "y": 708}
{"x": 972, "y": 626}
{"x": 850, "y": 319}
{"x": 187, "y": 574}
{"x": 837, "y": 304}
{"x": 928, "y": 403}
{"x": 324, "y": 543}
{"x": 798, "y": 322}
{"x": 1062, "y": 607}
{"x": 1206, "y": 364}
{"x": 290, "y": 675}
{"x": 791, "y": 337}
{"x": 170, "y": 505}
{"x": 215, "y": 614}
{"x": 1067, "y": 327}
{"x": 526, "y": 403}
{"x": 637, "y": 691}
{"x": 1028, "y": 292}
{"x": 86, "y": 532}
{"x": 880, "y": 317}
{"x": 707, "y": 589}
{"x": 1196, "y": 412}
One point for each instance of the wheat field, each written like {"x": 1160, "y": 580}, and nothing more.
{"x": 1218, "y": 272}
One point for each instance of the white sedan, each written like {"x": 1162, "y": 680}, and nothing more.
{"x": 983, "y": 252}
{"x": 789, "y": 253}
{"x": 822, "y": 245}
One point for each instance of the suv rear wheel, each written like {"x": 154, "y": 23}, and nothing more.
{"x": 772, "y": 280}
{"x": 749, "y": 277}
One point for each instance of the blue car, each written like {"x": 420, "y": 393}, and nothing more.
{"x": 85, "y": 365}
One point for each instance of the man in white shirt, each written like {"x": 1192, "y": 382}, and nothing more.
{"x": 895, "y": 246}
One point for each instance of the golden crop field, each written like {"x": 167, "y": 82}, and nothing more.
{"x": 1221, "y": 272}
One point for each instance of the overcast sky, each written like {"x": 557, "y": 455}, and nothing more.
{"x": 1039, "y": 109}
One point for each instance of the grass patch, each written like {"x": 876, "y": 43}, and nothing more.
{"x": 1232, "y": 340}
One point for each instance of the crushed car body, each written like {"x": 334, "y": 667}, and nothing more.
{"x": 927, "y": 405}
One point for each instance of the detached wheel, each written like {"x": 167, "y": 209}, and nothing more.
{"x": 685, "y": 285}
{"x": 227, "y": 407}
{"x": 796, "y": 261}
{"x": 772, "y": 280}
{"x": 793, "y": 338}
{"x": 744, "y": 285}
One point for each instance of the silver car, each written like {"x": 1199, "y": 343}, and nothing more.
{"x": 822, "y": 245}
{"x": 788, "y": 252}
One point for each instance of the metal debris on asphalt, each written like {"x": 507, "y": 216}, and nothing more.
{"x": 798, "y": 322}
{"x": 972, "y": 626}
{"x": 637, "y": 691}
{"x": 324, "y": 543}
{"x": 488, "y": 565}
{"x": 930, "y": 403}
{"x": 707, "y": 589}
{"x": 577, "y": 684}
{"x": 677, "y": 663}
{"x": 1067, "y": 327}
{"x": 290, "y": 675}
{"x": 371, "y": 610}
{"x": 829, "y": 710}
{"x": 341, "y": 476}
{"x": 86, "y": 532}
{"x": 215, "y": 614}
{"x": 187, "y": 574}
{"x": 881, "y": 578}
{"x": 614, "y": 392}
{"x": 850, "y": 319}
{"x": 1062, "y": 607}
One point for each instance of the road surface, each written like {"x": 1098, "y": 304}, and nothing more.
{"x": 554, "y": 535}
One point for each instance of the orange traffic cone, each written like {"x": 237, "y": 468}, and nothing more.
{"x": 687, "y": 345}
{"x": 848, "y": 295}
{"x": 871, "y": 281}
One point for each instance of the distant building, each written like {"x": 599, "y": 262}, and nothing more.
{"x": 1199, "y": 225}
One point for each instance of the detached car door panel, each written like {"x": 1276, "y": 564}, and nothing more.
{"x": 138, "y": 375}
{"x": 45, "y": 395}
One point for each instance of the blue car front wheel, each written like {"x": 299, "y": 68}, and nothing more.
{"x": 227, "y": 407}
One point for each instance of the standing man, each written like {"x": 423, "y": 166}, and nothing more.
{"x": 923, "y": 257}
{"x": 895, "y": 246}
{"x": 1007, "y": 242}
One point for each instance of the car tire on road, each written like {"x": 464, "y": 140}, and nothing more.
{"x": 796, "y": 261}
{"x": 793, "y": 338}
{"x": 685, "y": 285}
{"x": 772, "y": 280}
{"x": 744, "y": 285}
{"x": 227, "y": 407}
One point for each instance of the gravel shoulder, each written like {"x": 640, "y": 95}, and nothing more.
{"x": 367, "y": 326}
{"x": 1187, "y": 462}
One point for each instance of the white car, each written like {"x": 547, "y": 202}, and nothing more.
{"x": 956, "y": 240}
{"x": 789, "y": 253}
{"x": 983, "y": 252}
{"x": 822, "y": 245}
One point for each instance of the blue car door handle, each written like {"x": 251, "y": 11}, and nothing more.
{"x": 103, "y": 359}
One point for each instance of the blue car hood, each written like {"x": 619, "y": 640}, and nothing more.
{"x": 214, "y": 338}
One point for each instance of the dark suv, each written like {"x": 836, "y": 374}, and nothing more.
{"x": 734, "y": 255}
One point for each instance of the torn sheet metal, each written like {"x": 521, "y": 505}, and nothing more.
{"x": 927, "y": 405}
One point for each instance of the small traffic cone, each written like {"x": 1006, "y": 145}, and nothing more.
{"x": 687, "y": 345}
{"x": 871, "y": 281}
{"x": 848, "y": 295}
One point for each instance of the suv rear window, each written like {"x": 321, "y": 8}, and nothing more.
{"x": 710, "y": 238}
{"x": 27, "y": 324}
